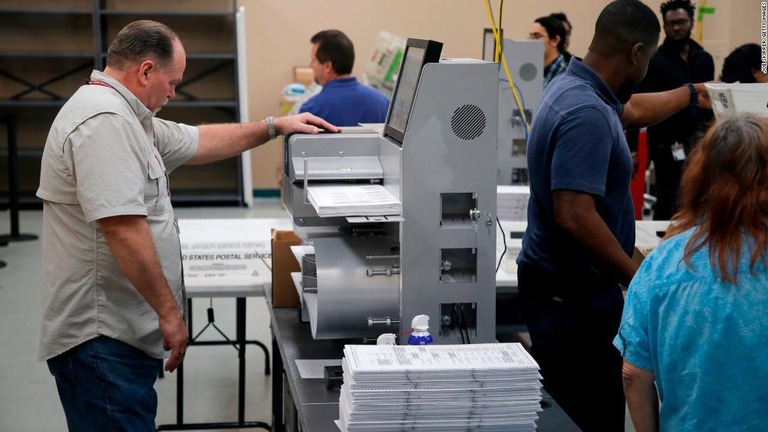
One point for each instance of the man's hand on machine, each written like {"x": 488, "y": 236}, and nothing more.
{"x": 303, "y": 123}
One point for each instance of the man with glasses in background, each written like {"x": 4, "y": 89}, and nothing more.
{"x": 560, "y": 16}
{"x": 679, "y": 61}
{"x": 551, "y": 32}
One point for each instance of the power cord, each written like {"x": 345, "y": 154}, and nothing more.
{"x": 504, "y": 239}
{"x": 455, "y": 319}
{"x": 463, "y": 324}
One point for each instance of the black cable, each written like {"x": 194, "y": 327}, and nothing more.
{"x": 504, "y": 239}
{"x": 499, "y": 48}
{"x": 464, "y": 324}
{"x": 501, "y": 33}
{"x": 501, "y": 9}
{"x": 455, "y": 319}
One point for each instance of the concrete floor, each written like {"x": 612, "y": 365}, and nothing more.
{"x": 28, "y": 398}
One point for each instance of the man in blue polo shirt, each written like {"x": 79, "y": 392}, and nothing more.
{"x": 343, "y": 101}
{"x": 581, "y": 231}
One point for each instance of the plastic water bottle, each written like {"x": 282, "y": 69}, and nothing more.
{"x": 420, "y": 334}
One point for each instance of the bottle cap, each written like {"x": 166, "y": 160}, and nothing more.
{"x": 420, "y": 323}
{"x": 386, "y": 339}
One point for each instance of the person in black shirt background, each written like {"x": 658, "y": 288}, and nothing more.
{"x": 679, "y": 61}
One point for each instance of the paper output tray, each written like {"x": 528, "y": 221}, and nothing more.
{"x": 337, "y": 168}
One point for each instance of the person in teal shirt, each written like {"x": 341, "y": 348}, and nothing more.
{"x": 694, "y": 322}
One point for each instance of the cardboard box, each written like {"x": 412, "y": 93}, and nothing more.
{"x": 304, "y": 75}
{"x": 648, "y": 236}
{"x": 283, "y": 263}
{"x": 639, "y": 255}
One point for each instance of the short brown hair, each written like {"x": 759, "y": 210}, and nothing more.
{"x": 141, "y": 40}
{"x": 335, "y": 46}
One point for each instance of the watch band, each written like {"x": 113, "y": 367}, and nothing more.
{"x": 271, "y": 127}
{"x": 694, "y": 98}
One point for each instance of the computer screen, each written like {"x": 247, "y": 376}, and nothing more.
{"x": 489, "y": 44}
{"x": 418, "y": 52}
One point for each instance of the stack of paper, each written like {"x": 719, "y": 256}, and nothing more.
{"x": 353, "y": 200}
{"x": 512, "y": 202}
{"x": 480, "y": 387}
{"x": 729, "y": 99}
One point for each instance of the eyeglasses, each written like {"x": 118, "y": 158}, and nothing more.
{"x": 678, "y": 22}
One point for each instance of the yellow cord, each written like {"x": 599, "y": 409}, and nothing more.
{"x": 700, "y": 22}
{"x": 506, "y": 68}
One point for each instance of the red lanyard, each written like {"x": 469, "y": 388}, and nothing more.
{"x": 99, "y": 83}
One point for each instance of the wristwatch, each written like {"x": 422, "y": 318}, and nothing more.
{"x": 271, "y": 127}
{"x": 694, "y": 97}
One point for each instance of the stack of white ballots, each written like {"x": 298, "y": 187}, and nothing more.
{"x": 353, "y": 200}
{"x": 512, "y": 202}
{"x": 734, "y": 98}
{"x": 479, "y": 387}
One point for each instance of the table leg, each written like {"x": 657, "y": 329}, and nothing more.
{"x": 180, "y": 373}
{"x": 240, "y": 343}
{"x": 241, "y": 316}
{"x": 277, "y": 387}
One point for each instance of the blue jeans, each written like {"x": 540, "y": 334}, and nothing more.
{"x": 107, "y": 385}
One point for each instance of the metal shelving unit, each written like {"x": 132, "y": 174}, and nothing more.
{"x": 48, "y": 49}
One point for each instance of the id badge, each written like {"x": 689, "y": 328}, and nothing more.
{"x": 678, "y": 152}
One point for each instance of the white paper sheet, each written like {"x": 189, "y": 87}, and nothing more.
{"x": 353, "y": 200}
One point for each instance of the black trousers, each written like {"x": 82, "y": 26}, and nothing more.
{"x": 667, "y": 172}
{"x": 572, "y": 321}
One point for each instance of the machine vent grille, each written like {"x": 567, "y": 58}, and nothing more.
{"x": 468, "y": 122}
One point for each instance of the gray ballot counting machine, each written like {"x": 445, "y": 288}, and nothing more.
{"x": 436, "y": 155}
{"x": 526, "y": 58}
